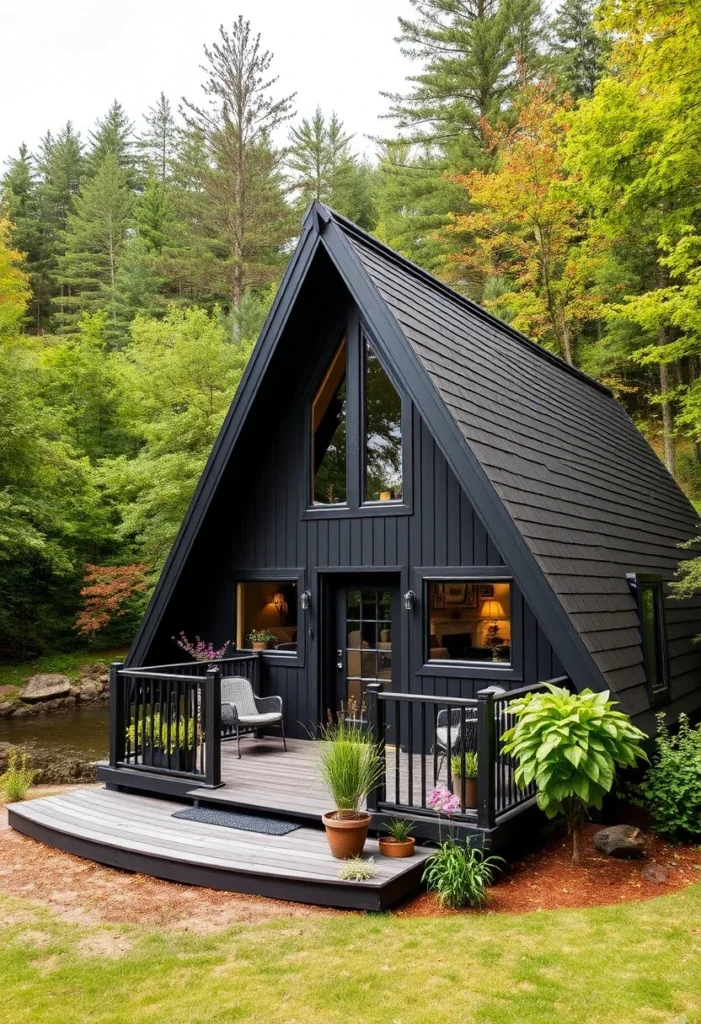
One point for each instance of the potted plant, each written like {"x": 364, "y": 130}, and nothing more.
{"x": 465, "y": 781}
{"x": 260, "y": 638}
{"x": 167, "y": 747}
{"x": 350, "y": 766}
{"x": 399, "y": 842}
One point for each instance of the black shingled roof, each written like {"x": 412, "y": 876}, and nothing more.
{"x": 585, "y": 490}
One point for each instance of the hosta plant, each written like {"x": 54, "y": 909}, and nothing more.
{"x": 570, "y": 744}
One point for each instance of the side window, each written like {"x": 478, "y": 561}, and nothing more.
{"x": 468, "y": 621}
{"x": 267, "y": 608}
{"x": 649, "y": 594}
{"x": 329, "y": 414}
{"x": 383, "y": 433}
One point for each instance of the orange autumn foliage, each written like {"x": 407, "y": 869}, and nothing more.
{"x": 106, "y": 592}
{"x": 527, "y": 226}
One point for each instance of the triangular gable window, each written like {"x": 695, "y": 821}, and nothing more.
{"x": 358, "y": 435}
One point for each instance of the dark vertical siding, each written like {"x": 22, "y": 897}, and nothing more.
{"x": 268, "y": 531}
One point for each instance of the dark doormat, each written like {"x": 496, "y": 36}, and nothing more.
{"x": 231, "y": 819}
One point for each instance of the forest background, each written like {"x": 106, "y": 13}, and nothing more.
{"x": 548, "y": 165}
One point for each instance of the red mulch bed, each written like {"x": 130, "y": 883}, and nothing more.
{"x": 544, "y": 879}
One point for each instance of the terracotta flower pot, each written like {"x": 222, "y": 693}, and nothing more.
{"x": 466, "y": 791}
{"x": 259, "y": 647}
{"x": 346, "y": 836}
{"x": 391, "y": 847}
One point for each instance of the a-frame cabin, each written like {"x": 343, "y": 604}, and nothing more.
{"x": 492, "y": 482}
{"x": 425, "y": 513}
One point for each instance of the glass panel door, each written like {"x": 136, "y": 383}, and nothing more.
{"x": 365, "y": 617}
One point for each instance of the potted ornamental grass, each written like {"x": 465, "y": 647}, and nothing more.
{"x": 464, "y": 769}
{"x": 260, "y": 638}
{"x": 350, "y": 766}
{"x": 399, "y": 841}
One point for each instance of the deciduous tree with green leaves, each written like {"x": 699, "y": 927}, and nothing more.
{"x": 570, "y": 745}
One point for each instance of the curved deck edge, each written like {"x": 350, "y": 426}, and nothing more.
{"x": 348, "y": 896}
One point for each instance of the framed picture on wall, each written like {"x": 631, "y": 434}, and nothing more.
{"x": 455, "y": 593}
{"x": 486, "y": 590}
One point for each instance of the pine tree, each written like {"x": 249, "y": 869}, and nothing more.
{"x": 579, "y": 47}
{"x": 94, "y": 239}
{"x": 154, "y": 215}
{"x": 322, "y": 167}
{"x": 244, "y": 185}
{"x": 61, "y": 168}
{"x": 157, "y": 144}
{"x": 114, "y": 135}
{"x": 19, "y": 195}
{"x": 468, "y": 50}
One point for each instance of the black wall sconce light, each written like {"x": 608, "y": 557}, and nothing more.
{"x": 409, "y": 599}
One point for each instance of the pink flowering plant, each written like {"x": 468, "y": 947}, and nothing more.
{"x": 200, "y": 650}
{"x": 457, "y": 873}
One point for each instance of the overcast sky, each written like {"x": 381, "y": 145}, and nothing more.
{"x": 68, "y": 59}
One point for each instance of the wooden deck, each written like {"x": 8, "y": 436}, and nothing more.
{"x": 139, "y": 833}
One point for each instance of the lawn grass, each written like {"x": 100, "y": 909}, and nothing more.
{"x": 66, "y": 663}
{"x": 633, "y": 963}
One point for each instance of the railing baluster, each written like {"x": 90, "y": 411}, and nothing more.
{"x": 397, "y": 748}
{"x": 423, "y": 755}
{"x": 410, "y": 745}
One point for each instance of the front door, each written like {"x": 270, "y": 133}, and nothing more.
{"x": 366, "y": 647}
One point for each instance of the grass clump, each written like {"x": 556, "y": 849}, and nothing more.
{"x": 17, "y": 778}
{"x": 460, "y": 875}
{"x": 349, "y": 764}
{"x": 355, "y": 869}
{"x": 456, "y": 762}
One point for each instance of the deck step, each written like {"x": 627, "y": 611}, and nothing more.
{"x": 139, "y": 833}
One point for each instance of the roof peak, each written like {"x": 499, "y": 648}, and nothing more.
{"x": 319, "y": 215}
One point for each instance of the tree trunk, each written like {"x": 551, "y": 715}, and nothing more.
{"x": 667, "y": 420}
{"x": 576, "y": 846}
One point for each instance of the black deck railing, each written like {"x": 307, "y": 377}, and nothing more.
{"x": 419, "y": 733}
{"x": 166, "y": 719}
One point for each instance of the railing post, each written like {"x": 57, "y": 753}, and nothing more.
{"x": 212, "y": 727}
{"x": 117, "y": 724}
{"x": 486, "y": 759}
{"x": 375, "y": 710}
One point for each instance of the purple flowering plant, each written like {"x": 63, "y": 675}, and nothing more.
{"x": 198, "y": 649}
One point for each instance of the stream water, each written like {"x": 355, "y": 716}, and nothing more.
{"x": 80, "y": 732}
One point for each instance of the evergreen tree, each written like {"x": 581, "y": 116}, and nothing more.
{"x": 94, "y": 239}
{"x": 114, "y": 136}
{"x": 322, "y": 167}
{"x": 154, "y": 214}
{"x": 157, "y": 144}
{"x": 468, "y": 50}
{"x": 20, "y": 197}
{"x": 244, "y": 186}
{"x": 415, "y": 199}
{"x": 580, "y": 48}
{"x": 61, "y": 169}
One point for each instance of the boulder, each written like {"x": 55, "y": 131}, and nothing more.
{"x": 655, "y": 873}
{"x": 620, "y": 841}
{"x": 45, "y": 686}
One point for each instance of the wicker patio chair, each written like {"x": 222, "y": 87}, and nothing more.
{"x": 459, "y": 737}
{"x": 242, "y": 711}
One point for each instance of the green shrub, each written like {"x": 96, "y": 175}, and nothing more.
{"x": 350, "y": 766}
{"x": 181, "y": 736}
{"x": 17, "y": 777}
{"x": 671, "y": 787}
{"x": 459, "y": 874}
{"x": 571, "y": 744}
